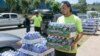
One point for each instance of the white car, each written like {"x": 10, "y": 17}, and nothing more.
{"x": 9, "y": 19}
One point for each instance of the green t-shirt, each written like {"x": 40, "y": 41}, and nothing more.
{"x": 73, "y": 20}
{"x": 37, "y": 21}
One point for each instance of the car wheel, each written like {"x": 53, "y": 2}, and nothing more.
{"x": 5, "y": 49}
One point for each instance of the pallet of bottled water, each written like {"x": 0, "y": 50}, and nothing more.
{"x": 89, "y": 27}
{"x": 60, "y": 36}
{"x": 98, "y": 23}
{"x": 49, "y": 52}
{"x": 96, "y": 20}
{"x": 89, "y": 31}
{"x": 33, "y": 44}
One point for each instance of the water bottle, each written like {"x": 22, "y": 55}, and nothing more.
{"x": 49, "y": 38}
{"x": 42, "y": 48}
{"x": 43, "y": 41}
{"x": 22, "y": 54}
{"x": 65, "y": 42}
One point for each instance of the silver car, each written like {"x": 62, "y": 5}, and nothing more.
{"x": 9, "y": 42}
{"x": 11, "y": 19}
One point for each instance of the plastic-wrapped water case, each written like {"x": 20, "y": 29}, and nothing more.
{"x": 32, "y": 35}
{"x": 59, "y": 42}
{"x": 33, "y": 44}
{"x": 8, "y": 53}
{"x": 64, "y": 30}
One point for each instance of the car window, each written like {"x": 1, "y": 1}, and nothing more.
{"x": 13, "y": 16}
{"x": 1, "y": 16}
{"x": 5, "y": 16}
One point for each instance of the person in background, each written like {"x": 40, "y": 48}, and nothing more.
{"x": 66, "y": 18}
{"x": 27, "y": 23}
{"x": 37, "y": 22}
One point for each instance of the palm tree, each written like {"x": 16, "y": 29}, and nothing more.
{"x": 24, "y": 4}
{"x": 11, "y": 3}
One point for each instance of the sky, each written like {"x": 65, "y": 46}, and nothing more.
{"x": 75, "y": 1}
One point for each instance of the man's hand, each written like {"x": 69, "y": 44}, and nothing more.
{"x": 73, "y": 44}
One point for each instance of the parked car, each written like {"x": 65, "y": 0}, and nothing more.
{"x": 9, "y": 19}
{"x": 9, "y": 42}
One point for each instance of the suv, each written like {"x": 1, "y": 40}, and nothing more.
{"x": 9, "y": 19}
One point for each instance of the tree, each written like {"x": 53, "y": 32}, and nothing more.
{"x": 82, "y": 6}
{"x": 53, "y": 5}
{"x": 94, "y": 14}
{"x": 11, "y": 3}
{"x": 76, "y": 6}
{"x": 92, "y": 9}
{"x": 36, "y": 3}
{"x": 24, "y": 6}
{"x": 49, "y": 3}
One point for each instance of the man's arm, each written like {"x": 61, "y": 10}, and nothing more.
{"x": 79, "y": 30}
{"x": 80, "y": 33}
{"x": 32, "y": 18}
{"x": 78, "y": 37}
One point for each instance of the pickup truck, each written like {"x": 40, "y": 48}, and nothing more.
{"x": 11, "y": 19}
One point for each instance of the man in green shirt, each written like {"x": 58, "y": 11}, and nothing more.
{"x": 66, "y": 18}
{"x": 37, "y": 21}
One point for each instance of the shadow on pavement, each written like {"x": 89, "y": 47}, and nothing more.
{"x": 97, "y": 34}
{"x": 10, "y": 28}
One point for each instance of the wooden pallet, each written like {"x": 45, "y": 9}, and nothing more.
{"x": 50, "y": 52}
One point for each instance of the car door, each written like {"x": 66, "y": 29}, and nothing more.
{"x": 14, "y": 19}
{"x": 4, "y": 20}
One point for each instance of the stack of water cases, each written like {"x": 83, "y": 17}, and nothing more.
{"x": 8, "y": 53}
{"x": 97, "y": 22}
{"x": 33, "y": 45}
{"x": 90, "y": 26}
{"x": 60, "y": 36}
